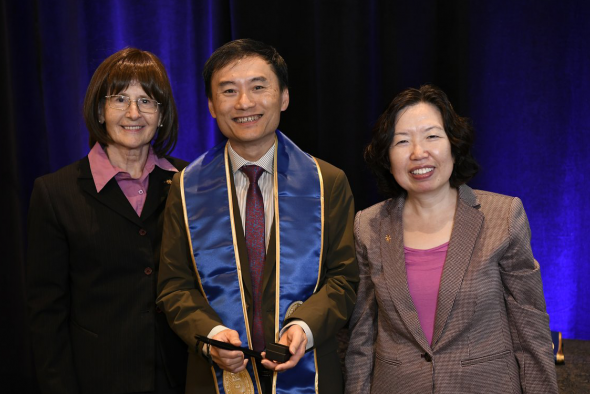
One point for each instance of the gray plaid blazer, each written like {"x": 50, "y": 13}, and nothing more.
{"x": 491, "y": 331}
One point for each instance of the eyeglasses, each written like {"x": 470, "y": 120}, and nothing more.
{"x": 144, "y": 105}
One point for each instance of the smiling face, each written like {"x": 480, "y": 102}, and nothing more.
{"x": 130, "y": 129}
{"x": 247, "y": 102}
{"x": 420, "y": 153}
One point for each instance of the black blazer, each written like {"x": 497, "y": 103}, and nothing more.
{"x": 92, "y": 267}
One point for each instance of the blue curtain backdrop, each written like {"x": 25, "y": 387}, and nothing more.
{"x": 519, "y": 69}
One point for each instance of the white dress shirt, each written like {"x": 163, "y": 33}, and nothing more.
{"x": 265, "y": 182}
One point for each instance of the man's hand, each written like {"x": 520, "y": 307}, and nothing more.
{"x": 229, "y": 360}
{"x": 296, "y": 339}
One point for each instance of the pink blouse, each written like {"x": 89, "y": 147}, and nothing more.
{"x": 424, "y": 269}
{"x": 134, "y": 189}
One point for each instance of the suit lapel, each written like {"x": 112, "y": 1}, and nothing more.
{"x": 111, "y": 195}
{"x": 394, "y": 267}
{"x": 159, "y": 185}
{"x": 271, "y": 259}
{"x": 466, "y": 228}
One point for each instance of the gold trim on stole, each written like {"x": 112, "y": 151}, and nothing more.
{"x": 317, "y": 377}
{"x": 321, "y": 179}
{"x": 190, "y": 244}
{"x": 275, "y": 194}
{"x": 188, "y": 233}
{"x": 278, "y": 253}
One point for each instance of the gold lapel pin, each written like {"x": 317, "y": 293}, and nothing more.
{"x": 168, "y": 181}
{"x": 388, "y": 238}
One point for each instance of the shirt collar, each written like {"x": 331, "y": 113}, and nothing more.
{"x": 266, "y": 161}
{"x": 103, "y": 171}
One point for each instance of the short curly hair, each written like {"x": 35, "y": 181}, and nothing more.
{"x": 114, "y": 75}
{"x": 458, "y": 129}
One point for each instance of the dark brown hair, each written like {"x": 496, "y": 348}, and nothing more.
{"x": 239, "y": 49}
{"x": 113, "y": 76}
{"x": 458, "y": 130}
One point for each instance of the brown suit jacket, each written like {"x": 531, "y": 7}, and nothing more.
{"x": 491, "y": 332}
{"x": 325, "y": 312}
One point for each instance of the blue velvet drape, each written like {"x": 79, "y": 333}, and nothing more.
{"x": 519, "y": 69}
{"x": 530, "y": 74}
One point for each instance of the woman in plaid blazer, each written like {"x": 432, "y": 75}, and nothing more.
{"x": 450, "y": 297}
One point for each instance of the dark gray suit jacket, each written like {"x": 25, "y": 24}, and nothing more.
{"x": 491, "y": 331}
{"x": 91, "y": 270}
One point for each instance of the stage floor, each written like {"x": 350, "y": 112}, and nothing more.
{"x": 573, "y": 377}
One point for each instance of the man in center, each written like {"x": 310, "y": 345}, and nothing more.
{"x": 258, "y": 241}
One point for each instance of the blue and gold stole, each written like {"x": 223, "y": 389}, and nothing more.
{"x": 299, "y": 225}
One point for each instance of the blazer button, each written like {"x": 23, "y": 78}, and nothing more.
{"x": 158, "y": 310}
{"x": 147, "y": 271}
{"x": 142, "y": 232}
{"x": 426, "y": 357}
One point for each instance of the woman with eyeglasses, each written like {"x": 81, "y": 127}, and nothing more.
{"x": 95, "y": 228}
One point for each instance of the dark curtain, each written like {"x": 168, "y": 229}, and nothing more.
{"x": 519, "y": 69}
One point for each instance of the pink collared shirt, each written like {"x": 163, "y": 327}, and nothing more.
{"x": 424, "y": 269}
{"x": 134, "y": 189}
